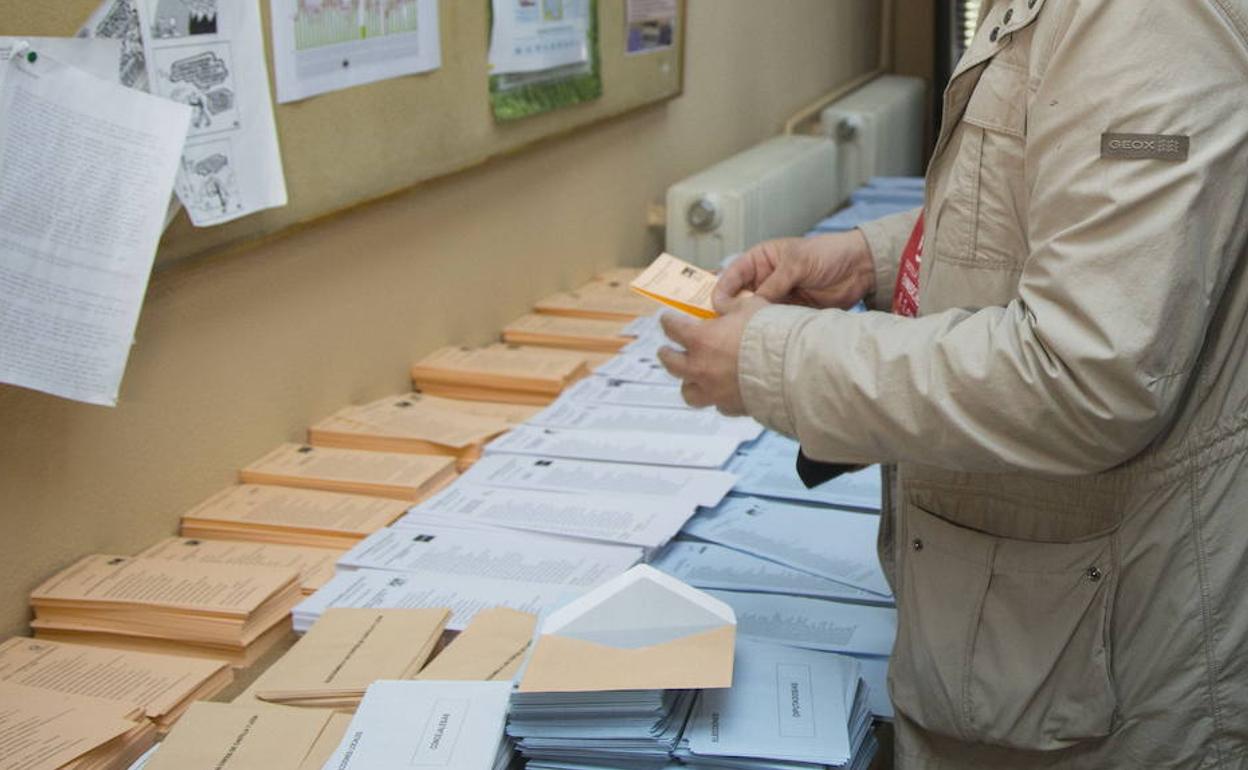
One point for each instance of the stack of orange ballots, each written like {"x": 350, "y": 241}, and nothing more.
{"x": 556, "y": 331}
{"x": 270, "y": 514}
{"x": 505, "y": 373}
{"x": 415, "y": 423}
{"x": 607, "y": 297}
{"x": 227, "y": 612}
{"x": 164, "y": 686}
{"x": 316, "y": 566}
{"x": 45, "y": 730}
{"x": 382, "y": 474}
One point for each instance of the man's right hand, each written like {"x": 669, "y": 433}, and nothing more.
{"x": 834, "y": 270}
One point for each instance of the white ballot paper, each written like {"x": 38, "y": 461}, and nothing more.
{"x": 768, "y": 468}
{"x": 321, "y": 46}
{"x": 638, "y": 520}
{"x": 86, "y": 168}
{"x": 707, "y": 565}
{"x": 637, "y": 368}
{"x": 98, "y": 57}
{"x": 212, "y": 59}
{"x": 604, "y": 390}
{"x": 837, "y": 545}
{"x": 785, "y": 705}
{"x": 453, "y": 725}
{"x": 816, "y": 624}
{"x": 119, "y": 20}
{"x": 617, "y": 446}
{"x": 568, "y": 413}
{"x": 498, "y": 556}
{"x": 465, "y": 596}
{"x": 534, "y": 35}
{"x": 608, "y": 480}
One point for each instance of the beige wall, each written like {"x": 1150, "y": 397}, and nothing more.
{"x": 236, "y": 353}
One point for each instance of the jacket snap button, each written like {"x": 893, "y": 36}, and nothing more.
{"x": 1094, "y": 574}
{"x": 917, "y": 544}
{"x": 1009, "y": 14}
{"x": 996, "y": 32}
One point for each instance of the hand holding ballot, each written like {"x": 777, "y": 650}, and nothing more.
{"x": 707, "y": 365}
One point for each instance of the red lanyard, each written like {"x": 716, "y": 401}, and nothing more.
{"x": 906, "y": 292}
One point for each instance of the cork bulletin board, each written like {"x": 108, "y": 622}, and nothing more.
{"x": 349, "y": 147}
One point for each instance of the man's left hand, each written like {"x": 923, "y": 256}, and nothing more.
{"x": 708, "y": 365}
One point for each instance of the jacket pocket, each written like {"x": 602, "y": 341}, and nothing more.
{"x": 983, "y": 219}
{"x": 1004, "y": 642}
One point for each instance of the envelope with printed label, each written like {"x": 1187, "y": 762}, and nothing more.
{"x": 643, "y": 630}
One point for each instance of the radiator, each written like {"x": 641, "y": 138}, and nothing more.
{"x": 787, "y": 184}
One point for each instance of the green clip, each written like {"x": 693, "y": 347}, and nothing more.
{"x": 32, "y": 57}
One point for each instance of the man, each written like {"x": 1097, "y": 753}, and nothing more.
{"x": 1068, "y": 537}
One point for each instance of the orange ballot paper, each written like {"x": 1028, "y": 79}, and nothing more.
{"x": 678, "y": 285}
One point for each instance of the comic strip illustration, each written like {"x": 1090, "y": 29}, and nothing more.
{"x": 208, "y": 185}
{"x": 203, "y": 77}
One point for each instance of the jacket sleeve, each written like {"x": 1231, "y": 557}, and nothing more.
{"x": 886, "y": 237}
{"x": 1127, "y": 263}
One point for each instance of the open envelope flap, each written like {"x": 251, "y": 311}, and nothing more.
{"x": 699, "y": 661}
{"x": 639, "y": 608}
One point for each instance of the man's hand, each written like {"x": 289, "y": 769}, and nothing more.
{"x": 825, "y": 271}
{"x": 708, "y": 365}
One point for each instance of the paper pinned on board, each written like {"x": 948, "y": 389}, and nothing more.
{"x": 99, "y": 57}
{"x": 679, "y": 285}
{"x": 119, "y": 20}
{"x": 212, "y": 59}
{"x": 84, "y": 186}
{"x": 534, "y": 36}
{"x": 319, "y": 47}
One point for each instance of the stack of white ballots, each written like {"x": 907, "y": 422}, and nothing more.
{"x": 788, "y": 709}
{"x": 622, "y": 503}
{"x": 614, "y": 674}
{"x": 465, "y": 571}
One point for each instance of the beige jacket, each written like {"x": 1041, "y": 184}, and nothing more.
{"x": 1069, "y": 544}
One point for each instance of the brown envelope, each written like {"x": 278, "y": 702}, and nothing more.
{"x": 642, "y": 630}
{"x": 491, "y": 648}
{"x": 221, "y": 736}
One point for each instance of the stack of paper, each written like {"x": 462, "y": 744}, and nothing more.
{"x": 428, "y": 724}
{"x": 225, "y": 611}
{"x": 630, "y": 504}
{"x": 163, "y": 686}
{"x": 490, "y": 649}
{"x": 42, "y": 729}
{"x": 381, "y": 474}
{"x": 314, "y": 565}
{"x": 503, "y": 373}
{"x": 411, "y": 423}
{"x": 571, "y": 413}
{"x": 553, "y": 331}
{"x": 215, "y": 736}
{"x": 644, "y": 368}
{"x": 767, "y": 467}
{"x": 345, "y": 651}
{"x": 604, "y": 390}
{"x": 608, "y": 300}
{"x": 268, "y": 514}
{"x": 496, "y": 555}
{"x": 617, "y": 446}
{"x": 830, "y": 543}
{"x": 611, "y": 678}
{"x": 464, "y": 595}
{"x": 787, "y": 709}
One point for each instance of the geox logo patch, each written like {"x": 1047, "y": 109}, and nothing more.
{"x": 1145, "y": 147}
